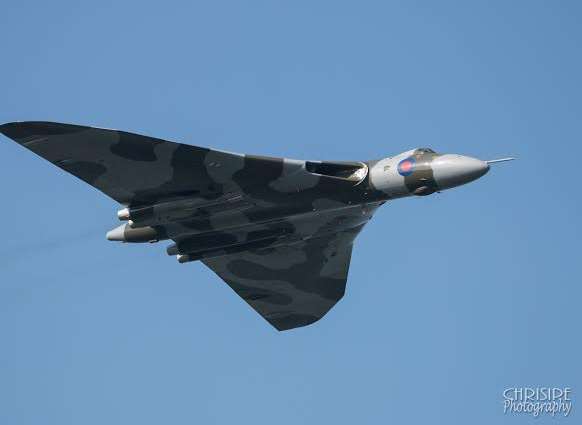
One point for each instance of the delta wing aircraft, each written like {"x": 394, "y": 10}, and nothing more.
{"x": 278, "y": 231}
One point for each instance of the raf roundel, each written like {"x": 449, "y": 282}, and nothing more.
{"x": 406, "y": 166}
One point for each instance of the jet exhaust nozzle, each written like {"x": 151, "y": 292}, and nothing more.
{"x": 186, "y": 258}
{"x": 126, "y": 233}
{"x": 123, "y": 214}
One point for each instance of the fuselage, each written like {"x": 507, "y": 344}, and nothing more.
{"x": 343, "y": 195}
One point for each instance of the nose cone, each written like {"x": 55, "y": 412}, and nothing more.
{"x": 455, "y": 170}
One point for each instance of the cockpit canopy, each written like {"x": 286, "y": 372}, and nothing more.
{"x": 425, "y": 150}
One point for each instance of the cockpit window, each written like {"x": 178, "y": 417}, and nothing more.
{"x": 425, "y": 150}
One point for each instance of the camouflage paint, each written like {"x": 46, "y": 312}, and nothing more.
{"x": 278, "y": 231}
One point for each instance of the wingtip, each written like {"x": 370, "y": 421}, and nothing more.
{"x": 17, "y": 130}
{"x": 8, "y": 124}
{"x": 8, "y": 127}
{"x": 20, "y": 123}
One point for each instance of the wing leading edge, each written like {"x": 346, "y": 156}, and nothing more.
{"x": 134, "y": 169}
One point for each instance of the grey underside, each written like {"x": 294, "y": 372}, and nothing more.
{"x": 309, "y": 220}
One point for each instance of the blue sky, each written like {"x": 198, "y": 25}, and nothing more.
{"x": 451, "y": 298}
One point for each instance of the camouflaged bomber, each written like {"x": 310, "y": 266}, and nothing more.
{"x": 278, "y": 231}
